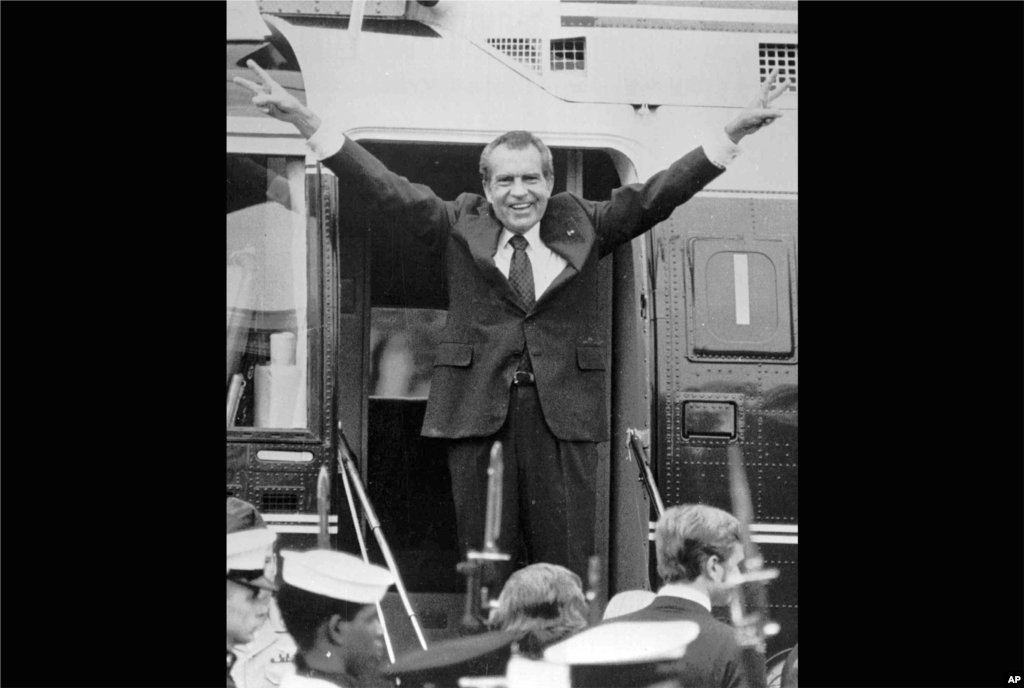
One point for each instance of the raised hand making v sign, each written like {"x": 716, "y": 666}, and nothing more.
{"x": 757, "y": 114}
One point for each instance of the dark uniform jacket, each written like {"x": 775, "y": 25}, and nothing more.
{"x": 714, "y": 658}
{"x": 487, "y": 326}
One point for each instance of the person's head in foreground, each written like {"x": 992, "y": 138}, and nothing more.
{"x": 327, "y": 602}
{"x": 251, "y": 569}
{"x": 699, "y": 546}
{"x": 542, "y": 603}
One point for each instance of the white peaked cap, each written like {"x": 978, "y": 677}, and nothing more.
{"x": 248, "y": 549}
{"x": 625, "y": 641}
{"x": 336, "y": 574}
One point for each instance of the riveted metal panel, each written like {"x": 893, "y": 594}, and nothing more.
{"x": 330, "y": 8}
{"x": 764, "y": 388}
{"x": 255, "y": 464}
{"x": 300, "y": 488}
{"x": 777, "y": 495}
{"x": 679, "y": 24}
{"x": 782, "y": 592}
{"x": 696, "y": 474}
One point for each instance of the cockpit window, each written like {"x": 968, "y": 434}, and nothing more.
{"x": 268, "y": 328}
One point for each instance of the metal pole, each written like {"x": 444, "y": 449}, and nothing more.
{"x": 366, "y": 558}
{"x": 646, "y": 475}
{"x": 371, "y": 517}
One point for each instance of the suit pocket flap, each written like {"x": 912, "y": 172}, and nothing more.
{"x": 590, "y": 357}
{"x": 452, "y": 354}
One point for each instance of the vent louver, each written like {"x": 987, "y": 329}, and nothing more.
{"x": 524, "y": 50}
{"x": 781, "y": 55}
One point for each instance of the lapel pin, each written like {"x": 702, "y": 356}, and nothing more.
{"x": 571, "y": 232}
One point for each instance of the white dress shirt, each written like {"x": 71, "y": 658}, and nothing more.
{"x": 546, "y": 263}
{"x": 687, "y": 593}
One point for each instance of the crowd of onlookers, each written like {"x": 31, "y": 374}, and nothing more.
{"x": 316, "y": 624}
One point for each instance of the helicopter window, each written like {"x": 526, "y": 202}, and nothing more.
{"x": 741, "y": 297}
{"x": 268, "y": 323}
{"x": 568, "y": 54}
{"x": 402, "y": 345}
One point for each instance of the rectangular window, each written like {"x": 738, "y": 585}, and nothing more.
{"x": 402, "y": 345}
{"x": 568, "y": 54}
{"x": 268, "y": 324}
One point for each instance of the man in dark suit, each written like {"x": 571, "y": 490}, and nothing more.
{"x": 523, "y": 358}
{"x": 699, "y": 556}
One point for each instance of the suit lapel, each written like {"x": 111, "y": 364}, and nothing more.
{"x": 566, "y": 235}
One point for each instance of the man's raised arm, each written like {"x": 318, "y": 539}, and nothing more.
{"x": 272, "y": 99}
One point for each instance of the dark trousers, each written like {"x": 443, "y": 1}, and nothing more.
{"x": 548, "y": 493}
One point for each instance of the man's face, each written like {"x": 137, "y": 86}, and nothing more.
{"x": 248, "y": 609}
{"x": 720, "y": 593}
{"x": 517, "y": 189}
{"x": 364, "y": 642}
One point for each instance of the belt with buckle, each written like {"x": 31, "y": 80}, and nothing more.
{"x": 523, "y": 378}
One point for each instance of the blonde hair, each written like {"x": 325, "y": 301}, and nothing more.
{"x": 542, "y": 600}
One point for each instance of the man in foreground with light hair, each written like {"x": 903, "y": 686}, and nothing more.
{"x": 699, "y": 556}
{"x": 542, "y": 604}
{"x": 327, "y": 602}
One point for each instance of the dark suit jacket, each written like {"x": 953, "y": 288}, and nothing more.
{"x": 713, "y": 659}
{"x": 488, "y": 326}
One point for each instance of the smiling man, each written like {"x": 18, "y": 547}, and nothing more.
{"x": 524, "y": 357}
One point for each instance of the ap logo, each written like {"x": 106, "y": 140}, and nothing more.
{"x": 1014, "y": 679}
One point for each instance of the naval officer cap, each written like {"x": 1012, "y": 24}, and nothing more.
{"x": 250, "y": 546}
{"x": 337, "y": 575}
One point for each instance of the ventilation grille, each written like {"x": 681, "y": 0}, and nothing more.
{"x": 781, "y": 55}
{"x": 279, "y": 502}
{"x": 524, "y": 50}
{"x": 568, "y": 54}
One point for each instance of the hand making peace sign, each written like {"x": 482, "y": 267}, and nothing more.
{"x": 272, "y": 98}
{"x": 757, "y": 114}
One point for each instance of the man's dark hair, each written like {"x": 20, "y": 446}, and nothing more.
{"x": 517, "y": 140}
{"x": 303, "y": 612}
{"x": 688, "y": 535}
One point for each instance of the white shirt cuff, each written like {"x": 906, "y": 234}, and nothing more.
{"x": 719, "y": 148}
{"x": 327, "y": 140}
